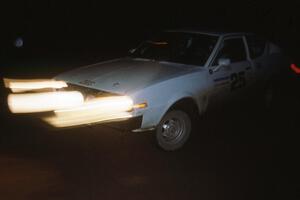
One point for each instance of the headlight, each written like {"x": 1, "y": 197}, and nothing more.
{"x": 43, "y": 101}
{"x": 71, "y": 105}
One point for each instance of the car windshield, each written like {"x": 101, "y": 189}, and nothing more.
{"x": 179, "y": 47}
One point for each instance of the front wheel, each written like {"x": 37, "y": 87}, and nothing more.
{"x": 173, "y": 130}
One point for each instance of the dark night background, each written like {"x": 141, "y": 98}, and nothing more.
{"x": 241, "y": 153}
{"x": 91, "y": 30}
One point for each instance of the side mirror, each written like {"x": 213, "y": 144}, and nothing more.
{"x": 222, "y": 62}
{"x": 131, "y": 51}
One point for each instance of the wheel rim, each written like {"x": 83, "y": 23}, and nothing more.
{"x": 172, "y": 130}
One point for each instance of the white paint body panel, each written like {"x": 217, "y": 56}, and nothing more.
{"x": 160, "y": 84}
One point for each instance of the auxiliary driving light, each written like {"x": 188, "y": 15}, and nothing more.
{"x": 23, "y": 85}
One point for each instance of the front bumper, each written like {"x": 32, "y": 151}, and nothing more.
{"x": 76, "y": 106}
{"x": 127, "y": 125}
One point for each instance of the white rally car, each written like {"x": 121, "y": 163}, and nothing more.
{"x": 178, "y": 74}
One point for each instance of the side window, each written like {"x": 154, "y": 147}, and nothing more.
{"x": 197, "y": 50}
{"x": 234, "y": 49}
{"x": 256, "y": 46}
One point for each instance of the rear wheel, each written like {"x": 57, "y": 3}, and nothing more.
{"x": 173, "y": 130}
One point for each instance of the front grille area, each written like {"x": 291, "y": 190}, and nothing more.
{"x": 88, "y": 92}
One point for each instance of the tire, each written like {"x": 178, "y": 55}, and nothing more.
{"x": 173, "y": 130}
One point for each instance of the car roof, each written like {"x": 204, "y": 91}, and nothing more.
{"x": 208, "y": 32}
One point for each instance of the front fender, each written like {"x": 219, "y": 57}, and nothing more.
{"x": 153, "y": 115}
{"x": 161, "y": 96}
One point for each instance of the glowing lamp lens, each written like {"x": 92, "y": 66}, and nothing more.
{"x": 43, "y": 102}
{"x": 23, "y": 85}
{"x": 295, "y": 68}
{"x": 93, "y": 111}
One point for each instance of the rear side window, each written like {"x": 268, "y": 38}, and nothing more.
{"x": 256, "y": 46}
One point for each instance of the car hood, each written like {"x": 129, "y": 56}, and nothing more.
{"x": 124, "y": 75}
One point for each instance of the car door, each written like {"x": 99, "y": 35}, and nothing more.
{"x": 231, "y": 80}
{"x": 257, "y": 52}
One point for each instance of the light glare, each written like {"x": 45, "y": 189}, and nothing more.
{"x": 22, "y": 85}
{"x": 42, "y": 102}
{"x": 94, "y": 111}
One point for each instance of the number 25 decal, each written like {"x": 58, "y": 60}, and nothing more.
{"x": 238, "y": 80}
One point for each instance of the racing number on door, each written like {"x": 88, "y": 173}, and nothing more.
{"x": 238, "y": 80}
